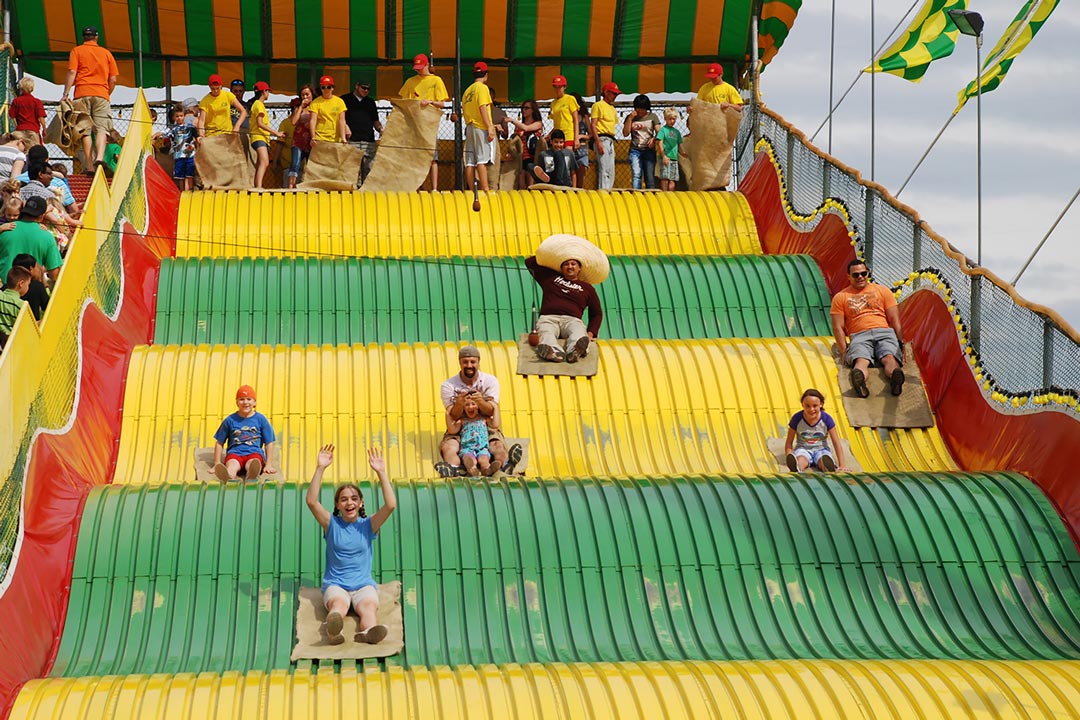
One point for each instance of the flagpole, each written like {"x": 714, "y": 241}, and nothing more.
{"x": 855, "y": 82}
{"x": 873, "y": 74}
{"x": 832, "y": 64}
{"x": 919, "y": 164}
{"x": 1046, "y": 236}
{"x": 978, "y": 136}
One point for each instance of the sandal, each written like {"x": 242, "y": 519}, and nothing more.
{"x": 858, "y": 381}
{"x": 896, "y": 381}
{"x": 446, "y": 470}
{"x": 513, "y": 458}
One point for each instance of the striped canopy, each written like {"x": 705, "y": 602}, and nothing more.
{"x": 644, "y": 45}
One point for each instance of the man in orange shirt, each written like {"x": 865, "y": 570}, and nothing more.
{"x": 867, "y": 312}
{"x": 92, "y": 70}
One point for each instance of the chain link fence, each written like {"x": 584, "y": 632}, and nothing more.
{"x": 450, "y": 144}
{"x": 1023, "y": 356}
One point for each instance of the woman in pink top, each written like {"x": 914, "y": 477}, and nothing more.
{"x": 27, "y": 111}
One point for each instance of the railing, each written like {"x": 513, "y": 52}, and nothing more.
{"x": 1025, "y": 355}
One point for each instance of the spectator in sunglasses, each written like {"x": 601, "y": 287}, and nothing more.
{"x": 867, "y": 313}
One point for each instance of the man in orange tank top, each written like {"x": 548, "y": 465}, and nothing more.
{"x": 867, "y": 313}
{"x": 92, "y": 71}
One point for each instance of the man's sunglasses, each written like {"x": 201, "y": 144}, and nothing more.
{"x": 326, "y": 87}
{"x": 864, "y": 273}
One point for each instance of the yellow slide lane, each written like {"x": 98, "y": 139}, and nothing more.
{"x": 870, "y": 690}
{"x": 655, "y": 408}
{"x": 241, "y": 224}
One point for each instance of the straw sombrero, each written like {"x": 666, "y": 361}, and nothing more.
{"x": 557, "y": 249}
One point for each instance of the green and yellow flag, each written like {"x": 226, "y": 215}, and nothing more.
{"x": 931, "y": 36}
{"x": 1028, "y": 21}
{"x": 777, "y": 17}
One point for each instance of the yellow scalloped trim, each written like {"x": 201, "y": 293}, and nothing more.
{"x": 830, "y": 204}
{"x": 990, "y": 390}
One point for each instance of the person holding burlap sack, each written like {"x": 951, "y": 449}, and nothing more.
{"x": 567, "y": 293}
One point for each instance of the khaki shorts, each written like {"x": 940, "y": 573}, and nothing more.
{"x": 100, "y": 111}
{"x": 368, "y": 592}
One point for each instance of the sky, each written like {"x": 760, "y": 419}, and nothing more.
{"x": 1030, "y": 138}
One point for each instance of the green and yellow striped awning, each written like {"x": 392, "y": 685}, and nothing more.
{"x": 644, "y": 45}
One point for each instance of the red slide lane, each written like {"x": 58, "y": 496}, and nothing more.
{"x": 828, "y": 243}
{"x": 64, "y": 467}
{"x": 979, "y": 436}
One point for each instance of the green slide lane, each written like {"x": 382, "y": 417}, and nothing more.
{"x": 306, "y": 301}
{"x": 187, "y": 578}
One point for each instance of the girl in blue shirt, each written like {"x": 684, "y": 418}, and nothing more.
{"x": 809, "y": 431}
{"x": 349, "y": 534}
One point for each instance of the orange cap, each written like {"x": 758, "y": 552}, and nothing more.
{"x": 245, "y": 391}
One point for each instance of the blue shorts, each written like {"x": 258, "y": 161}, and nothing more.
{"x": 813, "y": 456}
{"x": 183, "y": 168}
{"x": 256, "y": 144}
{"x": 582, "y": 155}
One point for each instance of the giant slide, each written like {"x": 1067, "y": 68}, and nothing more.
{"x": 656, "y": 561}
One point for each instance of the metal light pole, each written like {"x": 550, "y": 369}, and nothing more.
{"x": 969, "y": 22}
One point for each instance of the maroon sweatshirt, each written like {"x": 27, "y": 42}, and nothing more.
{"x": 566, "y": 297}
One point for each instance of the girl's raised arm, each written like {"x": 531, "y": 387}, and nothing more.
{"x": 378, "y": 464}
{"x": 326, "y": 456}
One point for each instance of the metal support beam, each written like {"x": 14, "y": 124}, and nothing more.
{"x": 1048, "y": 353}
{"x": 916, "y": 247}
{"x": 975, "y": 324}
{"x": 826, "y": 180}
{"x": 868, "y": 231}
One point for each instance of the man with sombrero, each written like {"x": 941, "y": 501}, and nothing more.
{"x": 567, "y": 293}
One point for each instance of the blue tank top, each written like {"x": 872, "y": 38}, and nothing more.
{"x": 348, "y": 554}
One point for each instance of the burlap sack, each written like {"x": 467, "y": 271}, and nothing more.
{"x": 709, "y": 145}
{"x": 332, "y": 166}
{"x": 68, "y": 126}
{"x": 508, "y": 164}
{"x": 557, "y": 249}
{"x": 405, "y": 149}
{"x": 222, "y": 163}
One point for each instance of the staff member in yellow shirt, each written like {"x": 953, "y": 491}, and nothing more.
{"x": 717, "y": 91}
{"x": 328, "y": 114}
{"x": 429, "y": 89}
{"x": 479, "y": 128}
{"x": 214, "y": 110}
{"x": 603, "y": 121}
{"x": 564, "y": 110}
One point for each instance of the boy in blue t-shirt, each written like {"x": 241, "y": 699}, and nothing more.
{"x": 806, "y": 446}
{"x": 181, "y": 138}
{"x": 246, "y": 441}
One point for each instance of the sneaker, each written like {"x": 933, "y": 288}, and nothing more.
{"x": 334, "y": 624}
{"x": 792, "y": 462}
{"x": 580, "y": 349}
{"x": 896, "y": 381}
{"x": 221, "y": 472}
{"x": 513, "y": 458}
{"x": 858, "y": 381}
{"x": 373, "y": 635}
{"x": 254, "y": 469}
{"x": 540, "y": 174}
{"x": 827, "y": 463}
{"x": 445, "y": 469}
{"x": 549, "y": 353}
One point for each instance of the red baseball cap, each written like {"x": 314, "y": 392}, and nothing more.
{"x": 245, "y": 391}
{"x": 611, "y": 88}
{"x": 214, "y": 79}
{"x": 326, "y": 80}
{"x": 558, "y": 81}
{"x": 479, "y": 67}
{"x": 260, "y": 86}
{"x": 419, "y": 61}
{"x": 715, "y": 70}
